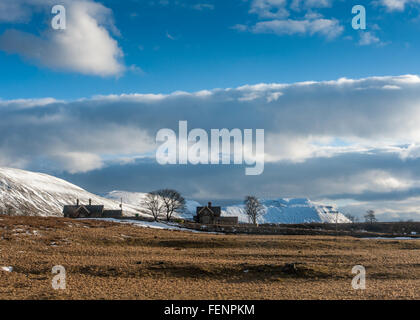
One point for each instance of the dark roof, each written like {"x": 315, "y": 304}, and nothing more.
{"x": 68, "y": 209}
{"x": 95, "y": 208}
{"x": 215, "y": 210}
{"x": 91, "y": 209}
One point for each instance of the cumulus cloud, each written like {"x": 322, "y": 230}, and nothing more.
{"x": 353, "y": 139}
{"x": 330, "y": 28}
{"x": 386, "y": 210}
{"x": 12, "y": 11}
{"x": 310, "y": 119}
{"x": 75, "y": 162}
{"x": 281, "y": 8}
{"x": 283, "y": 17}
{"x": 309, "y": 4}
{"x": 203, "y": 6}
{"x": 269, "y": 8}
{"x": 200, "y": 6}
{"x": 85, "y": 46}
{"x": 397, "y": 5}
{"x": 368, "y": 38}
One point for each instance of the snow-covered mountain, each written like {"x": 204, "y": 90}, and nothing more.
{"x": 275, "y": 211}
{"x": 33, "y": 193}
{"x": 290, "y": 211}
{"x": 26, "y": 192}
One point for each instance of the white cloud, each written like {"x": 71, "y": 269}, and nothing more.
{"x": 28, "y": 103}
{"x": 203, "y": 6}
{"x": 342, "y": 139}
{"x": 309, "y": 4}
{"x": 269, "y": 8}
{"x": 78, "y": 162}
{"x": 386, "y": 210}
{"x": 284, "y": 17}
{"x": 391, "y": 87}
{"x": 411, "y": 152}
{"x": 368, "y": 38}
{"x": 301, "y": 120}
{"x": 397, "y": 5}
{"x": 86, "y": 46}
{"x": 325, "y": 27}
{"x": 12, "y": 11}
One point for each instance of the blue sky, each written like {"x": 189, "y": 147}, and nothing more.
{"x": 340, "y": 107}
{"x": 180, "y": 47}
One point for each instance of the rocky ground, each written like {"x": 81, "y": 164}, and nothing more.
{"x": 105, "y": 260}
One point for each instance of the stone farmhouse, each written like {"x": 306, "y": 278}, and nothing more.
{"x": 90, "y": 211}
{"x": 212, "y": 215}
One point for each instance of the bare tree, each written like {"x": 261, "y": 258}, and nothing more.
{"x": 172, "y": 202}
{"x": 253, "y": 208}
{"x": 351, "y": 217}
{"x": 153, "y": 204}
{"x": 370, "y": 216}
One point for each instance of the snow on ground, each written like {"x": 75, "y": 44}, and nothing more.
{"x": 149, "y": 224}
{"x": 7, "y": 269}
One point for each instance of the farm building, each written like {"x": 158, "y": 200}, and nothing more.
{"x": 212, "y": 215}
{"x": 89, "y": 211}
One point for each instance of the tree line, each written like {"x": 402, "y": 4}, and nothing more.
{"x": 166, "y": 202}
{"x": 369, "y": 217}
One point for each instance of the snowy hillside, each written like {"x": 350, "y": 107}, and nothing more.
{"x": 290, "y": 211}
{"x": 40, "y": 194}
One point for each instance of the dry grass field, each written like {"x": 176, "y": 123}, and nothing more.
{"x": 105, "y": 260}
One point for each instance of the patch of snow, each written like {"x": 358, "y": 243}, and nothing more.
{"x": 150, "y": 224}
{"x": 7, "y": 269}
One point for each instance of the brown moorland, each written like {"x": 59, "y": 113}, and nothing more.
{"x": 105, "y": 260}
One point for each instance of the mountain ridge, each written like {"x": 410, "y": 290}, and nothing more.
{"x": 281, "y": 210}
{"x": 32, "y": 193}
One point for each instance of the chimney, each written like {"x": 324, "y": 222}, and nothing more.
{"x": 209, "y": 205}
{"x": 90, "y": 202}
{"x": 77, "y": 202}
